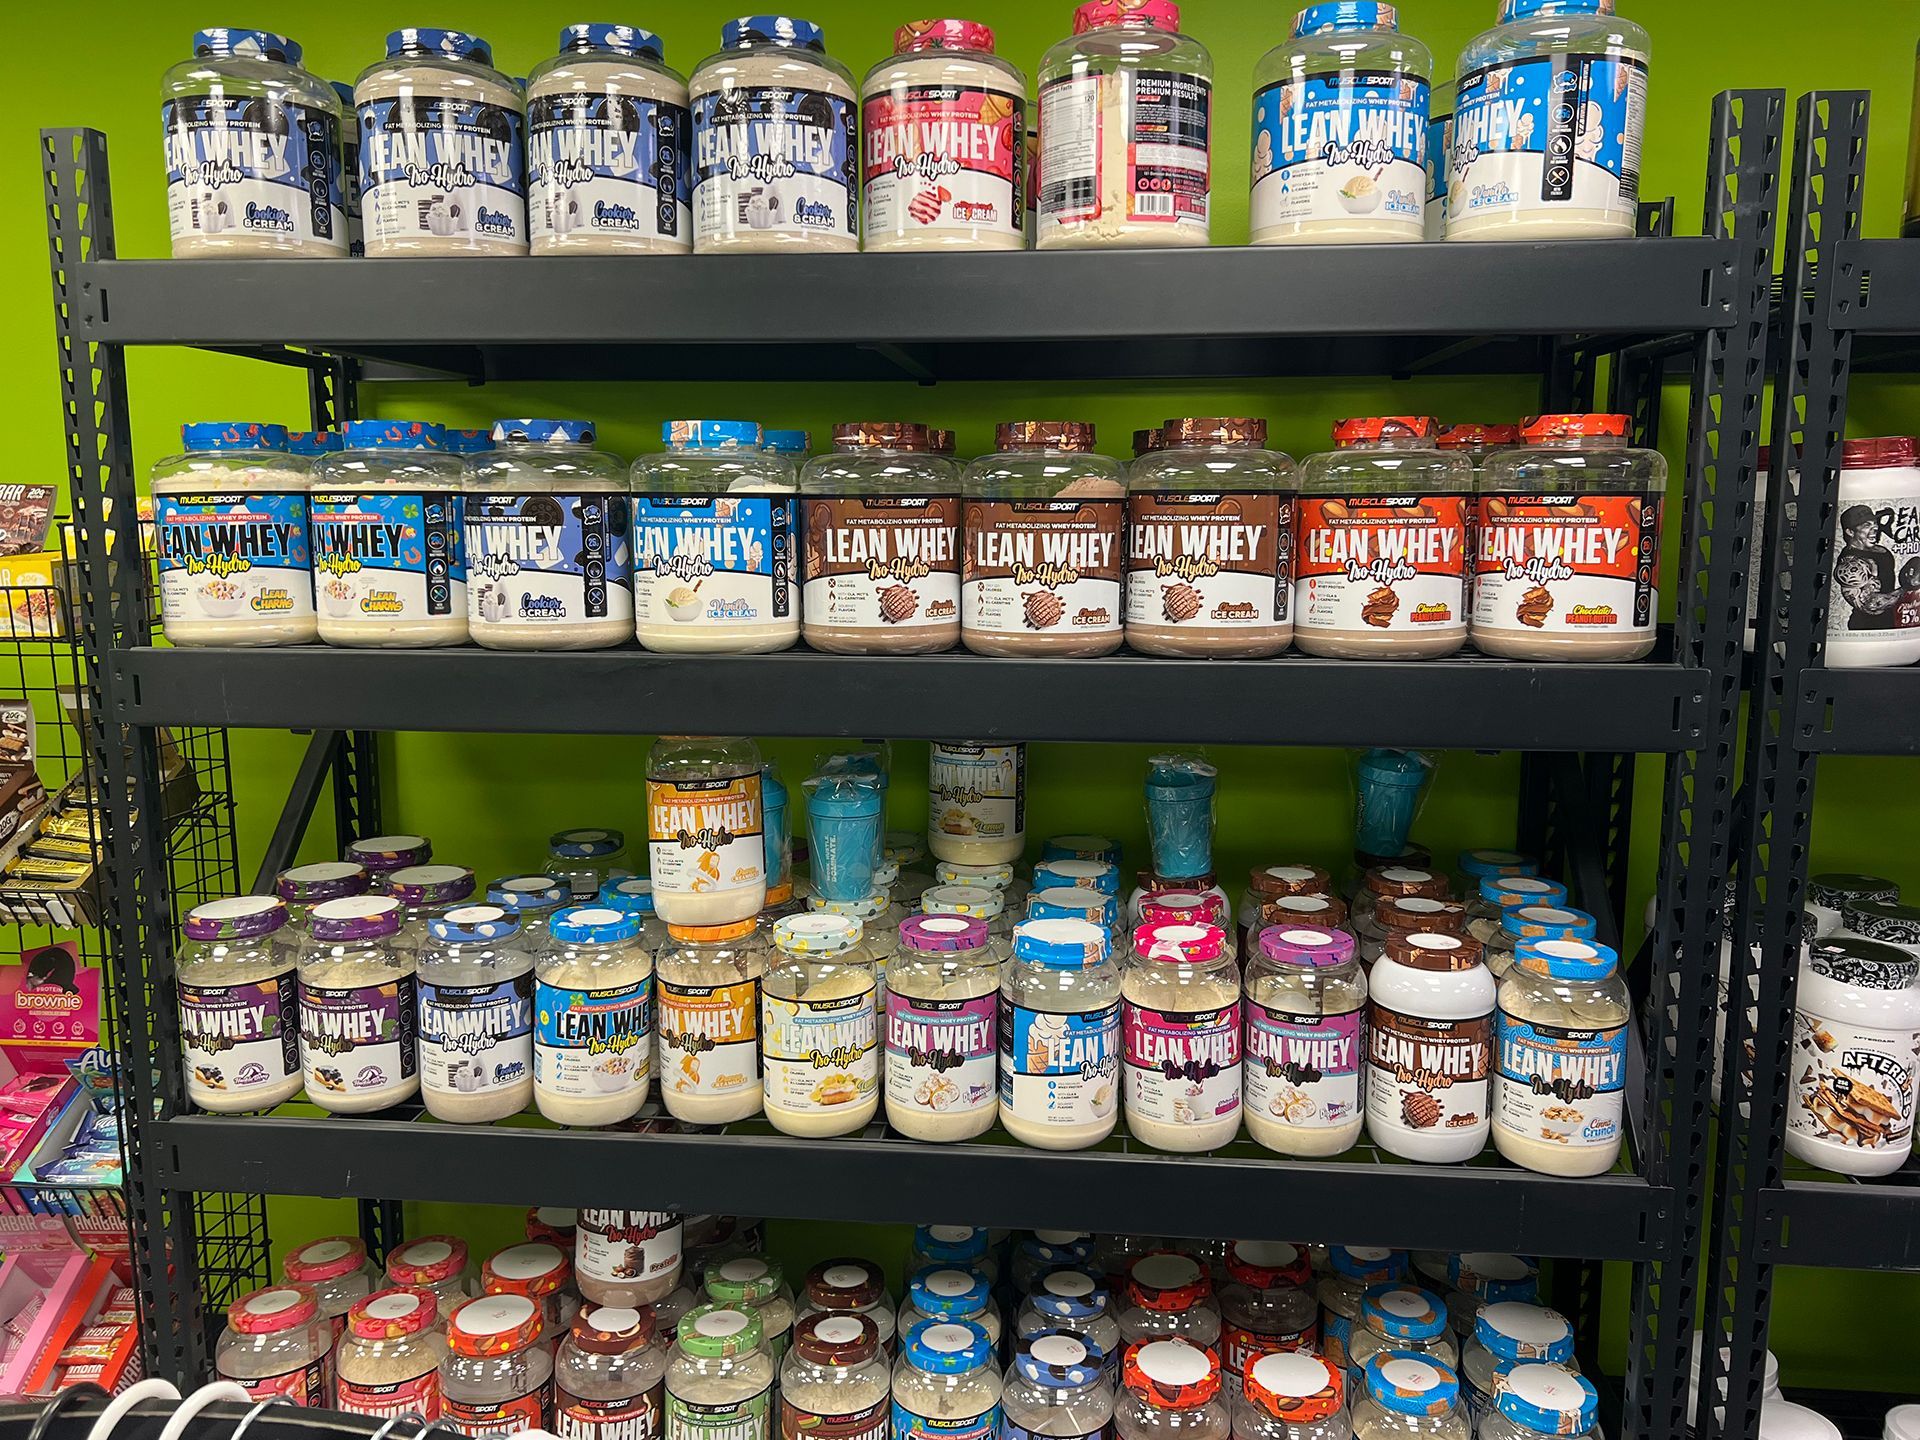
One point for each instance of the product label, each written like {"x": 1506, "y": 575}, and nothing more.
{"x": 589, "y": 1044}
{"x": 709, "y": 1037}
{"x": 476, "y": 1038}
{"x": 240, "y": 1038}
{"x": 1334, "y": 1333}
{"x": 542, "y": 559}
{"x": 238, "y": 555}
{"x": 1388, "y": 564}
{"x": 634, "y": 1417}
{"x": 731, "y": 1420}
{"x": 1183, "y": 1066}
{"x": 1349, "y": 147}
{"x": 869, "y": 1423}
{"x": 1439, "y": 147}
{"x": 1852, "y": 1086}
{"x": 776, "y": 159}
{"x": 1209, "y": 561}
{"x": 1127, "y": 148}
{"x": 389, "y": 557}
{"x": 627, "y": 1247}
{"x": 941, "y": 1054}
{"x": 1566, "y": 564}
{"x": 719, "y": 560}
{"x": 1303, "y": 1070}
{"x": 821, "y": 1054}
{"x": 1044, "y": 567}
{"x": 419, "y": 1396}
{"x": 357, "y": 1041}
{"x": 453, "y": 169}
{"x": 480, "y": 1421}
{"x": 1547, "y": 133}
{"x": 944, "y": 159}
{"x": 1060, "y": 1069}
{"x": 907, "y": 1425}
{"x": 600, "y": 164}
{"x": 1241, "y": 1349}
{"x": 977, "y": 792}
{"x": 1427, "y": 1074}
{"x": 1561, "y": 1085}
{"x": 306, "y": 1385}
{"x": 1876, "y": 571}
{"x": 350, "y": 175}
{"x": 883, "y": 562}
{"x": 254, "y": 165}
{"x": 704, "y": 836}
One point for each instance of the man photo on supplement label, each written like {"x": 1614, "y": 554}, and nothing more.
{"x": 1864, "y": 572}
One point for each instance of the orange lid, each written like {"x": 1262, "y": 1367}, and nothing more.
{"x": 1366, "y": 428}
{"x": 1574, "y": 427}
{"x": 1171, "y": 1374}
{"x": 708, "y": 934}
{"x": 493, "y": 1325}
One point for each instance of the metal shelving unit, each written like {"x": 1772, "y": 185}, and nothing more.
{"x": 1568, "y": 313}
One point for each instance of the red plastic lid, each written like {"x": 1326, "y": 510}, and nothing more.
{"x": 536, "y": 1269}
{"x": 1166, "y": 1280}
{"x": 1295, "y": 1385}
{"x": 942, "y": 35}
{"x": 1267, "y": 1265}
{"x": 276, "y": 1308}
{"x": 1160, "y": 14}
{"x": 1473, "y": 437}
{"x": 1182, "y": 907}
{"x": 493, "y": 1325}
{"x": 390, "y": 1314}
{"x": 1364, "y": 429}
{"x": 554, "y": 1224}
{"x": 322, "y": 1260}
{"x": 1576, "y": 427}
{"x": 430, "y": 1260}
{"x": 1173, "y": 1374}
{"x": 1880, "y": 453}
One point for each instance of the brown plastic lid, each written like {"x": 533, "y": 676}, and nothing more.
{"x": 831, "y": 1337}
{"x": 941, "y": 441}
{"x": 1214, "y": 430}
{"x": 844, "y": 1284}
{"x": 613, "y": 1329}
{"x": 1426, "y": 950}
{"x": 1044, "y": 435}
{"x": 1308, "y": 909}
{"x": 1414, "y": 913}
{"x": 1407, "y": 880}
{"x": 880, "y": 435}
{"x": 1879, "y": 453}
{"x": 1145, "y": 442}
{"x": 1270, "y": 882}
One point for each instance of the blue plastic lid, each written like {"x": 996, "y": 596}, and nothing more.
{"x": 233, "y": 435}
{"x": 1403, "y": 1312}
{"x": 1516, "y": 1331}
{"x": 1548, "y": 1399}
{"x": 1060, "y": 944}
{"x": 1511, "y": 10}
{"x": 1507, "y": 891}
{"x": 448, "y": 44}
{"x": 1479, "y": 864}
{"x": 593, "y": 925}
{"x": 844, "y": 797}
{"x": 468, "y": 924}
{"x": 1548, "y": 922}
{"x": 224, "y": 41}
{"x": 395, "y": 435}
{"x": 786, "y": 442}
{"x": 1367, "y": 1262}
{"x": 1494, "y": 1276}
{"x": 544, "y": 432}
{"x": 1567, "y": 959}
{"x": 621, "y": 39}
{"x": 1093, "y": 874}
{"x": 1062, "y": 902}
{"x": 950, "y": 1244}
{"x": 1081, "y": 847}
{"x": 948, "y": 1347}
{"x": 1057, "y": 1360}
{"x": 1409, "y": 1383}
{"x": 772, "y": 30}
{"x": 949, "y": 1291}
{"x": 469, "y": 442}
{"x": 632, "y": 894}
{"x": 710, "y": 435}
{"x": 1069, "y": 1292}
{"x": 585, "y": 844}
{"x": 345, "y": 92}
{"x": 1337, "y": 15}
{"x": 524, "y": 893}
{"x": 312, "y": 442}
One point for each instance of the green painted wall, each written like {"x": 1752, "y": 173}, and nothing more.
{"x": 491, "y": 799}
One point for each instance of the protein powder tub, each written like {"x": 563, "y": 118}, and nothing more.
{"x": 1506, "y": 1334}
{"x": 533, "y": 898}
{"x": 588, "y": 860}
{"x": 947, "y": 1292}
{"x": 715, "y": 569}
{"x": 1407, "y": 915}
{"x": 775, "y": 141}
{"x": 1269, "y": 883}
{"x": 1352, "y": 1271}
{"x": 1830, "y": 894}
{"x": 609, "y": 1376}
{"x": 977, "y": 802}
{"x": 944, "y": 163}
{"x": 961, "y": 1247}
{"x": 943, "y": 996}
{"x": 976, "y": 902}
{"x": 1439, "y": 156}
{"x": 1538, "y": 1399}
{"x": 609, "y": 147}
{"x": 945, "y": 1384}
{"x": 238, "y": 1005}
{"x": 848, "y": 1285}
{"x": 1430, "y": 1048}
{"x": 1170, "y": 1388}
{"x": 388, "y": 1362}
{"x": 539, "y": 1271}
{"x": 1069, "y": 1300}
{"x": 1266, "y": 1307}
{"x": 1060, "y": 1036}
{"x": 882, "y": 544}
{"x": 1180, "y": 1019}
{"x": 593, "y": 1018}
{"x": 1887, "y": 920}
{"x": 1126, "y": 127}
{"x": 627, "y": 1257}
{"x": 1500, "y": 895}
{"x": 1549, "y": 114}
{"x": 253, "y": 151}
{"x": 497, "y": 1378}
{"x": 1400, "y": 1319}
{"x": 705, "y": 848}
{"x": 1382, "y": 569}
{"x": 1856, "y": 1056}
{"x": 820, "y": 1027}
{"x": 381, "y": 855}
{"x": 1406, "y": 1394}
{"x": 357, "y": 1008}
{"x": 1306, "y": 996}
{"x": 753, "y": 1282}
{"x": 1559, "y": 1092}
{"x": 476, "y": 1016}
{"x": 1045, "y": 526}
{"x": 720, "y": 1384}
{"x": 548, "y": 560}
{"x": 388, "y": 553}
{"x": 305, "y": 886}
{"x": 230, "y": 522}
{"x": 709, "y": 981}
{"x": 1340, "y": 130}
{"x": 1293, "y": 1395}
{"x": 438, "y": 1265}
{"x": 1566, "y": 543}
{"x": 338, "y": 1272}
{"x": 277, "y": 1345}
{"x": 1210, "y": 542}
{"x": 442, "y": 159}
{"x": 1169, "y": 1295}
{"x": 1873, "y": 608}
{"x": 834, "y": 1383}
{"x": 1058, "y": 1387}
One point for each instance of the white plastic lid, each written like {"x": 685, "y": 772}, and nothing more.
{"x": 1059, "y": 1350}
{"x": 323, "y": 1252}
{"x": 1290, "y": 1375}
{"x": 392, "y": 1307}
{"x": 838, "y": 1330}
{"x": 1173, "y": 1362}
{"x": 494, "y": 1315}
{"x": 946, "y": 1339}
{"x": 1165, "y": 1272}
{"x": 1903, "y": 1423}
{"x": 721, "y": 1323}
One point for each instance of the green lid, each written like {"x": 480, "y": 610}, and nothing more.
{"x": 744, "y": 1280}
{"x": 719, "y": 1331}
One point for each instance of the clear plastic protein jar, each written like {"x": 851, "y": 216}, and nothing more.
{"x": 443, "y": 166}
{"x": 437, "y": 1264}
{"x": 1293, "y": 1395}
{"x": 834, "y": 1381}
{"x": 945, "y": 1386}
{"x": 753, "y": 1282}
{"x": 1180, "y": 1019}
{"x": 715, "y": 531}
{"x": 709, "y": 981}
{"x": 475, "y": 982}
{"x": 848, "y": 1285}
{"x": 497, "y": 1378}
{"x": 541, "y": 1271}
{"x": 1268, "y": 883}
{"x": 358, "y": 1015}
{"x": 1340, "y": 130}
{"x": 1500, "y": 895}
{"x": 1305, "y": 1004}
{"x": 1408, "y": 915}
{"x": 1873, "y": 612}
{"x": 1505, "y": 1334}
{"x": 1526, "y": 925}
{"x": 239, "y": 1005}
{"x": 389, "y": 556}
{"x": 1352, "y": 1270}
{"x": 706, "y": 847}
{"x": 338, "y": 1272}
{"x": 1069, "y": 1300}
{"x": 1171, "y": 1388}
{"x": 588, "y": 860}
{"x": 278, "y": 1344}
{"x": 627, "y": 1257}
{"x": 1430, "y": 1017}
{"x": 976, "y": 802}
{"x": 609, "y": 147}
{"x": 1538, "y": 1399}
{"x": 944, "y": 161}
{"x": 1267, "y": 1307}
{"x": 1396, "y": 882}
{"x": 1126, "y": 121}
{"x": 305, "y": 886}
{"x": 253, "y": 151}
{"x": 776, "y": 146}
{"x": 1829, "y": 895}
{"x": 548, "y": 557}
{"x": 721, "y": 1381}
{"x": 1058, "y": 1386}
{"x": 609, "y": 1375}
{"x": 1060, "y": 1036}
{"x": 1169, "y": 1294}
{"x": 820, "y": 1027}
{"x": 230, "y": 522}
{"x": 1210, "y": 543}
{"x": 593, "y": 1017}
{"x": 946, "y": 1291}
{"x": 1518, "y": 170}
{"x": 388, "y": 1362}
{"x": 1566, "y": 543}
{"x": 943, "y": 1001}
{"x": 1405, "y": 1395}
{"x": 1559, "y": 1089}
{"x": 1404, "y": 1319}
{"x": 1046, "y": 522}
{"x": 881, "y": 544}
{"x": 1382, "y": 568}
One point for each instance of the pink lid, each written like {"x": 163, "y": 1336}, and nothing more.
{"x": 276, "y": 1308}
{"x": 918, "y": 35}
{"x": 325, "y": 1260}
{"x": 1160, "y": 14}
{"x": 936, "y": 933}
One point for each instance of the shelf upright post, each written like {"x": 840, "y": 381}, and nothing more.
{"x": 1812, "y": 365}
{"x": 129, "y": 796}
